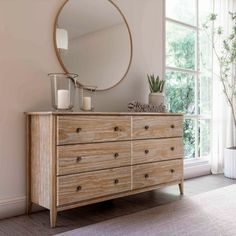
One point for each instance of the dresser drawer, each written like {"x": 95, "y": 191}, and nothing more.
{"x": 85, "y": 186}
{"x": 153, "y": 150}
{"x": 85, "y": 129}
{"x": 157, "y": 127}
{"x": 151, "y": 174}
{"x": 89, "y": 157}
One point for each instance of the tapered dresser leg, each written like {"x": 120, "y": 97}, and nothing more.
{"x": 53, "y": 218}
{"x": 181, "y": 187}
{"x": 28, "y": 206}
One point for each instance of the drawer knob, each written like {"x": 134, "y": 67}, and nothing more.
{"x": 116, "y": 154}
{"x": 172, "y": 148}
{"x": 146, "y": 176}
{"x": 172, "y": 170}
{"x": 78, "y": 130}
{"x": 172, "y": 126}
{"x": 146, "y": 127}
{"x": 146, "y": 151}
{"x": 78, "y": 188}
{"x": 78, "y": 159}
{"x": 116, "y": 128}
{"x": 116, "y": 181}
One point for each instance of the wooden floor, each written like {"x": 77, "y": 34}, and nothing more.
{"x": 38, "y": 223}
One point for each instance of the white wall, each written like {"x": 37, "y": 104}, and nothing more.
{"x": 27, "y": 55}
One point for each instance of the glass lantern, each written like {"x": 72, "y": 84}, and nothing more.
{"x": 86, "y": 97}
{"x": 63, "y": 90}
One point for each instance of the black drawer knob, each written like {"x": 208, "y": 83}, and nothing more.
{"x": 116, "y": 181}
{"x": 172, "y": 170}
{"x": 116, "y": 154}
{"x": 78, "y": 188}
{"x": 172, "y": 148}
{"x": 172, "y": 126}
{"x": 78, "y": 130}
{"x": 116, "y": 128}
{"x": 78, "y": 159}
{"x": 146, "y": 127}
{"x": 146, "y": 176}
{"x": 146, "y": 151}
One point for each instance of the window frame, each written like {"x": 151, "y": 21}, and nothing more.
{"x": 197, "y": 75}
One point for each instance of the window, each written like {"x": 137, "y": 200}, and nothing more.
{"x": 189, "y": 71}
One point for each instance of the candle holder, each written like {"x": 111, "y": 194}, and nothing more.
{"x": 86, "y": 97}
{"x": 63, "y": 90}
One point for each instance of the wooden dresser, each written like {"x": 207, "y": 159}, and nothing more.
{"x": 75, "y": 159}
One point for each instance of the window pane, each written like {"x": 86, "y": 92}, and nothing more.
{"x": 205, "y": 47}
{"x": 182, "y": 10}
{"x": 180, "y": 92}
{"x": 189, "y": 138}
{"x": 205, "y": 9}
{"x": 204, "y": 97}
{"x": 204, "y": 138}
{"x": 180, "y": 46}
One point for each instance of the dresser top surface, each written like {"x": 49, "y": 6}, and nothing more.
{"x": 103, "y": 113}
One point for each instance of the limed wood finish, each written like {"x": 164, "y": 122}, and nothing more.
{"x": 157, "y": 173}
{"x": 86, "y": 186}
{"x": 85, "y": 129}
{"x": 41, "y": 163}
{"x": 89, "y": 157}
{"x": 76, "y": 159}
{"x": 150, "y": 127}
{"x": 115, "y": 196}
{"x": 153, "y": 150}
{"x": 41, "y": 159}
{"x": 99, "y": 113}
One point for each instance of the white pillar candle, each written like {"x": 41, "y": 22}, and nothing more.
{"x": 63, "y": 99}
{"x": 87, "y": 106}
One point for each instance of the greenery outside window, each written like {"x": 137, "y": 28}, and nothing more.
{"x": 189, "y": 71}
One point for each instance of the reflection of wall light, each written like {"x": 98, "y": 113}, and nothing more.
{"x": 62, "y": 38}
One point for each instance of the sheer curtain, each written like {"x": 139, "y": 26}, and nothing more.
{"x": 223, "y": 132}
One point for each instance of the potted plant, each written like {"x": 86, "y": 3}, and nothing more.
{"x": 226, "y": 57}
{"x": 156, "y": 86}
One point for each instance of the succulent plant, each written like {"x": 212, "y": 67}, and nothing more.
{"x": 156, "y": 85}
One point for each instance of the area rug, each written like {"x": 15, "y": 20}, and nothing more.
{"x": 209, "y": 214}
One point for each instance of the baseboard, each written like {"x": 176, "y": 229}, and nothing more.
{"x": 12, "y": 207}
{"x": 196, "y": 168}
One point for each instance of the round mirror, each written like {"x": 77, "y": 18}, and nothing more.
{"x": 93, "y": 40}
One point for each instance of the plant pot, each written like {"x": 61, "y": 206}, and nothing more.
{"x": 230, "y": 163}
{"x": 156, "y": 99}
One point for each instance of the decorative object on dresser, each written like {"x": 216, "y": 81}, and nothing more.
{"x": 136, "y": 106}
{"x": 63, "y": 90}
{"x": 156, "y": 86}
{"x": 76, "y": 159}
{"x": 86, "y": 97}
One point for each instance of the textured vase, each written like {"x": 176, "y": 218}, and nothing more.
{"x": 230, "y": 163}
{"x": 156, "y": 99}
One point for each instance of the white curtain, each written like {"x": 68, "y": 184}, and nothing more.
{"x": 223, "y": 132}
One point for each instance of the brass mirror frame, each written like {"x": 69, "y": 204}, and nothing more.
{"x": 130, "y": 39}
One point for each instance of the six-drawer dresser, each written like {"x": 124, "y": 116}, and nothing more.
{"x": 77, "y": 158}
